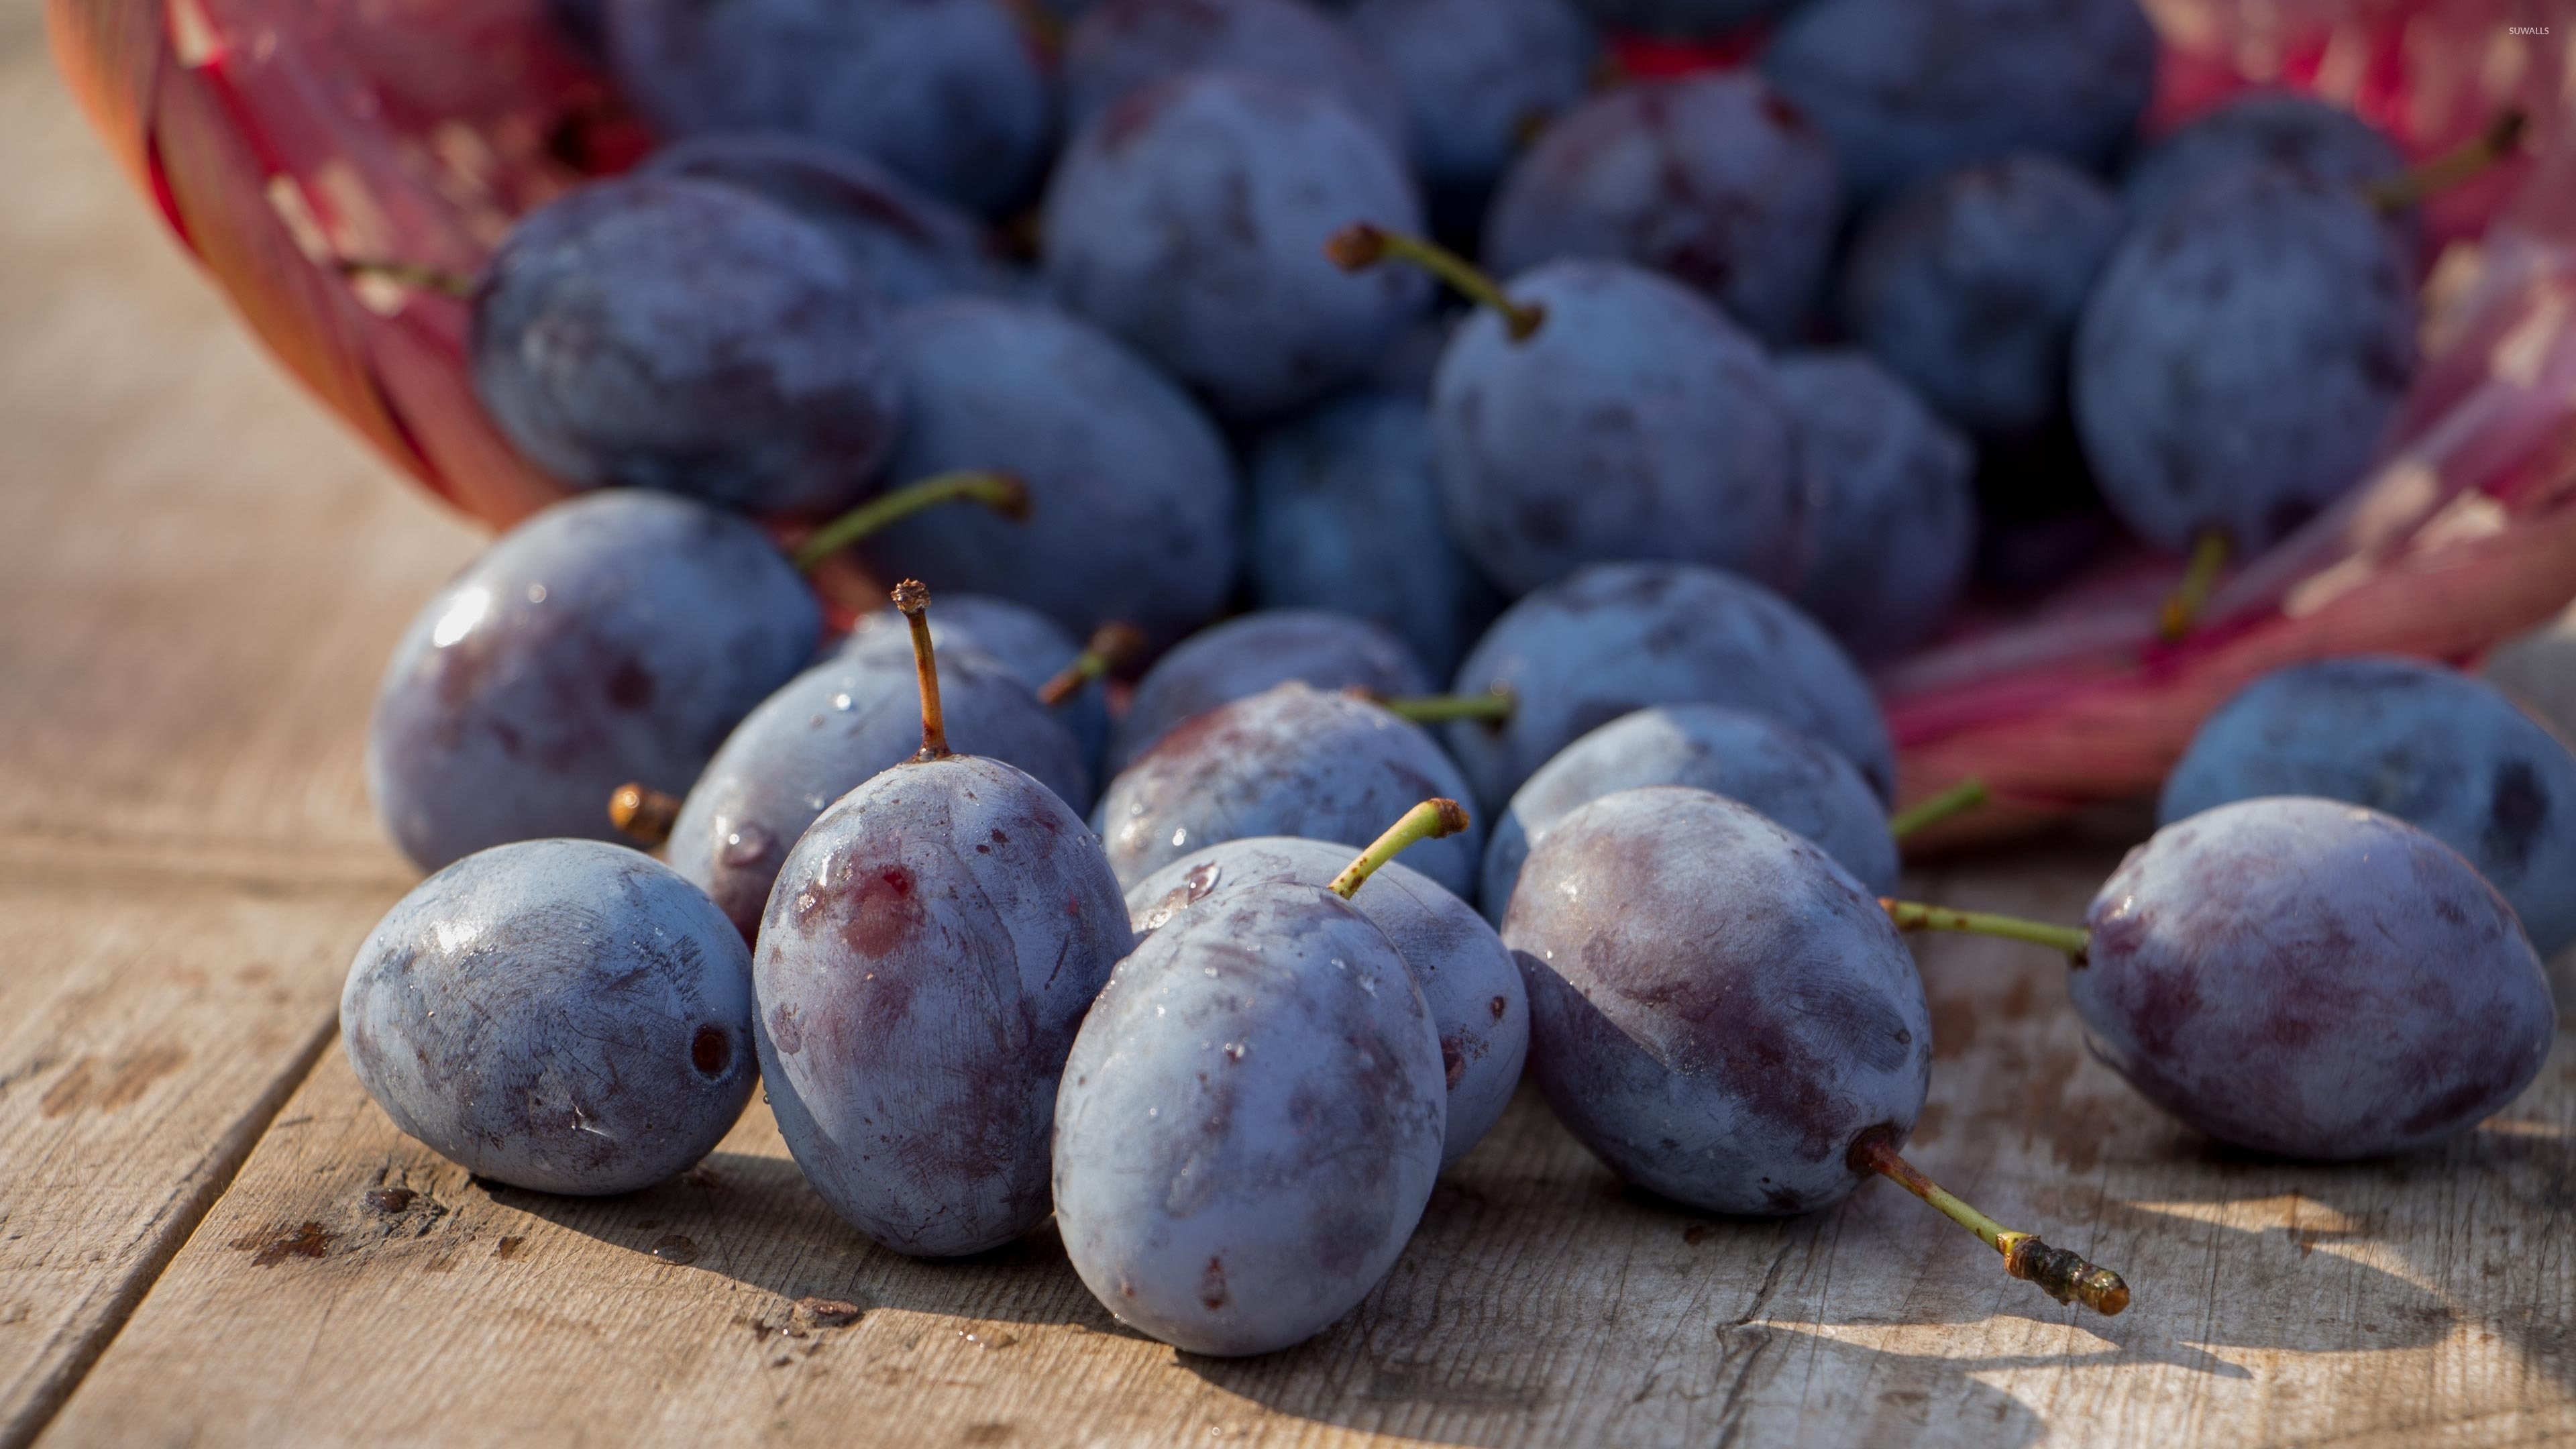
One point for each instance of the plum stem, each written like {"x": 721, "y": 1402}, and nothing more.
{"x": 1916, "y": 916}
{"x": 912, "y": 597}
{"x": 1959, "y": 799}
{"x": 1494, "y": 706}
{"x": 643, "y": 814}
{"x": 2062, "y": 1275}
{"x": 2182, "y": 607}
{"x": 1362, "y": 245}
{"x": 1430, "y": 820}
{"x": 1003, "y": 493}
{"x": 1111, "y": 646}
{"x": 2501, "y": 138}
{"x": 409, "y": 274}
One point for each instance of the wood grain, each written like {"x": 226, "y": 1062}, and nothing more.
{"x": 2425, "y": 1299}
{"x": 199, "y": 574}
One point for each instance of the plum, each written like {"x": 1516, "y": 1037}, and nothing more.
{"x": 1748, "y": 758}
{"x": 2242, "y": 358}
{"x": 1478, "y": 77}
{"x": 927, "y": 955}
{"x": 1025, "y": 642}
{"x": 1619, "y": 637}
{"x": 1131, "y": 487}
{"x": 2278, "y": 129}
{"x": 1911, "y": 88}
{"x": 1190, "y": 219}
{"x": 1969, "y": 286}
{"x": 1291, "y": 760}
{"x": 944, "y": 92}
{"x": 832, "y": 729}
{"x": 1712, "y": 179}
{"x": 1250, "y": 1123}
{"x": 1120, "y": 47}
{"x": 1895, "y": 499}
{"x": 615, "y": 637}
{"x": 1245, "y": 655}
{"x": 1724, "y": 1016}
{"x": 911, "y": 247}
{"x": 2312, "y": 978}
{"x": 1346, "y": 516}
{"x": 660, "y": 332}
{"x": 559, "y": 1015}
{"x": 2443, "y": 752}
{"x": 1472, "y": 989}
{"x": 1635, "y": 422}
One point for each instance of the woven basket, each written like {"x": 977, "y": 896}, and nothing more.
{"x": 275, "y": 135}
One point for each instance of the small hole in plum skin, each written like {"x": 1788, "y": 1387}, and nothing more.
{"x": 711, "y": 1051}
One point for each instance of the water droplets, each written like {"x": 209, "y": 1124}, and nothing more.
{"x": 747, "y": 846}
{"x": 841, "y": 701}
{"x": 1180, "y": 837}
{"x": 675, "y": 1248}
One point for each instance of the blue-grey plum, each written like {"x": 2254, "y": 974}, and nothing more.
{"x": 2443, "y": 752}
{"x": 1969, "y": 286}
{"x": 561, "y": 1015}
{"x": 2278, "y": 129}
{"x": 1748, "y": 758}
{"x": 1250, "y": 1124}
{"x": 1132, "y": 491}
{"x": 946, "y": 92}
{"x": 1033, "y": 647}
{"x": 1120, "y": 47}
{"x": 2312, "y": 978}
{"x": 1190, "y": 218}
{"x": 1637, "y": 422}
{"x": 1911, "y": 88}
{"x": 1619, "y": 637}
{"x": 658, "y": 332}
{"x": 928, "y": 953}
{"x": 911, "y": 247}
{"x": 1291, "y": 760}
{"x": 616, "y": 637}
{"x": 1469, "y": 982}
{"x": 1713, "y": 179}
{"x": 1478, "y": 77}
{"x": 1346, "y": 516}
{"x": 1681, "y": 19}
{"x": 1244, "y": 656}
{"x": 2242, "y": 358}
{"x": 1895, "y": 498}
{"x": 1717, "y": 1009}
{"x": 830, "y": 730}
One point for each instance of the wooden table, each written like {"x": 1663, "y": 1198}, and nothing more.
{"x": 209, "y": 1235}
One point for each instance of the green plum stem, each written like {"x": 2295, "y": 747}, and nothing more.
{"x": 1959, "y": 799}
{"x": 1360, "y": 246}
{"x": 1430, "y": 820}
{"x": 426, "y": 279}
{"x": 643, "y": 814}
{"x": 1493, "y": 707}
{"x": 2471, "y": 158}
{"x": 1001, "y": 492}
{"x": 2060, "y": 1274}
{"x": 912, "y": 597}
{"x": 1111, "y": 646}
{"x": 2182, "y": 608}
{"x": 1916, "y": 916}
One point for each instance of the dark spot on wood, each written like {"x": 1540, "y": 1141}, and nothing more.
{"x": 268, "y": 1248}
{"x": 509, "y": 1248}
{"x": 390, "y": 1200}
{"x": 829, "y": 1312}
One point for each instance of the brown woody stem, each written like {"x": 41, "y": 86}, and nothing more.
{"x": 912, "y": 597}
{"x": 2060, "y": 1274}
{"x": 1430, "y": 820}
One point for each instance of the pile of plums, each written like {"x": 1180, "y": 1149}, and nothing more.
{"x": 1074, "y": 895}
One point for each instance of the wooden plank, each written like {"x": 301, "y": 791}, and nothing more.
{"x": 2422, "y": 1300}
{"x": 199, "y": 574}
